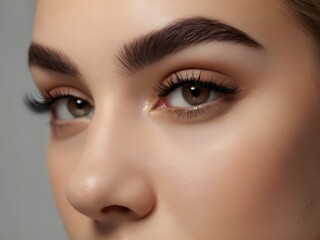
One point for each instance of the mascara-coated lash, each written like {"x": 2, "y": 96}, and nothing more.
{"x": 165, "y": 88}
{"x": 38, "y": 104}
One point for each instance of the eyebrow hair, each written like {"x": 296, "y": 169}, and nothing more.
{"x": 51, "y": 59}
{"x": 151, "y": 48}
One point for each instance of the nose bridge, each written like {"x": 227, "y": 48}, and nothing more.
{"x": 114, "y": 125}
{"x": 107, "y": 174}
{"x": 115, "y": 134}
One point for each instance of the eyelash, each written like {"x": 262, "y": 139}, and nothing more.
{"x": 165, "y": 88}
{"x": 200, "y": 112}
{"x": 38, "y": 104}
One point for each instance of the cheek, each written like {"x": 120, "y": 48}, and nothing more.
{"x": 62, "y": 159}
{"x": 226, "y": 187}
{"x": 248, "y": 169}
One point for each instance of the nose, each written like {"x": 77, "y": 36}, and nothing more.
{"x": 109, "y": 181}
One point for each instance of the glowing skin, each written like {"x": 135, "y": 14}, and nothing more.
{"x": 247, "y": 168}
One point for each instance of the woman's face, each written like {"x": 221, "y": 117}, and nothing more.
{"x": 182, "y": 120}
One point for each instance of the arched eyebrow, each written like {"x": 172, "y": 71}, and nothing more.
{"x": 178, "y": 36}
{"x": 51, "y": 59}
{"x": 150, "y": 48}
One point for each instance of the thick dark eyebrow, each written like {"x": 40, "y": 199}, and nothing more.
{"x": 153, "y": 47}
{"x": 52, "y": 59}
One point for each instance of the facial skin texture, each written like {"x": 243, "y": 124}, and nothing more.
{"x": 248, "y": 170}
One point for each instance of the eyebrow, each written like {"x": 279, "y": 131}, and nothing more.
{"x": 178, "y": 36}
{"x": 150, "y": 48}
{"x": 52, "y": 59}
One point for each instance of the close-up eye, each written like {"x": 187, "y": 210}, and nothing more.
{"x": 70, "y": 108}
{"x": 191, "y": 94}
{"x": 64, "y": 106}
{"x": 195, "y": 94}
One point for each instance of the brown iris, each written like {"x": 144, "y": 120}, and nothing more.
{"x": 78, "y": 107}
{"x": 195, "y": 95}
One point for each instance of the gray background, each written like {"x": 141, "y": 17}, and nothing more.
{"x": 27, "y": 210}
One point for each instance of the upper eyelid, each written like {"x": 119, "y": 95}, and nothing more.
{"x": 204, "y": 75}
{"x": 211, "y": 81}
{"x": 190, "y": 72}
{"x": 61, "y": 92}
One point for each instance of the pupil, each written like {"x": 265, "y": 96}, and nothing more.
{"x": 80, "y": 104}
{"x": 78, "y": 107}
{"x": 195, "y": 91}
{"x": 195, "y": 95}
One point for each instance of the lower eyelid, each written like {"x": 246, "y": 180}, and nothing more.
{"x": 195, "y": 116}
{"x": 201, "y": 113}
{"x": 62, "y": 130}
{"x": 57, "y": 121}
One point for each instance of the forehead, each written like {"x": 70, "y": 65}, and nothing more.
{"x": 92, "y": 32}
{"x": 112, "y": 22}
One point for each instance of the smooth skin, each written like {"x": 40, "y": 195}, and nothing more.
{"x": 130, "y": 171}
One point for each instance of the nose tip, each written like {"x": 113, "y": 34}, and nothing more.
{"x": 101, "y": 199}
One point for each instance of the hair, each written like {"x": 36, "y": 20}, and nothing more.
{"x": 308, "y": 14}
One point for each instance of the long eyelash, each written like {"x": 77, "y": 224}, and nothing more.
{"x": 165, "y": 88}
{"x": 38, "y": 104}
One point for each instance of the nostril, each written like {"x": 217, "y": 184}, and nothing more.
{"x": 115, "y": 209}
{"x": 112, "y": 217}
